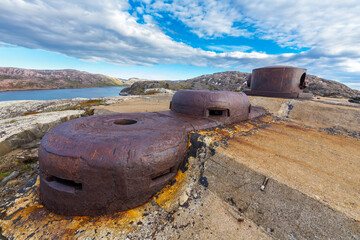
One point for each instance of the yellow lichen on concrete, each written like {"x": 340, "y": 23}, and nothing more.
{"x": 30, "y": 198}
{"x": 27, "y": 217}
{"x": 168, "y": 197}
{"x": 227, "y": 132}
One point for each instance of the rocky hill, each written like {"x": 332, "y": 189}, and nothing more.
{"x": 236, "y": 81}
{"x": 133, "y": 80}
{"x": 328, "y": 88}
{"x": 140, "y": 88}
{"x": 26, "y": 79}
{"x": 225, "y": 81}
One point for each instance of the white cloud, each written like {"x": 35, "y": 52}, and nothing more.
{"x": 331, "y": 29}
{"x": 2, "y": 44}
{"x": 352, "y": 85}
{"x": 351, "y": 65}
{"x": 97, "y": 30}
{"x": 206, "y": 18}
{"x": 105, "y": 31}
{"x": 100, "y": 32}
{"x": 229, "y": 48}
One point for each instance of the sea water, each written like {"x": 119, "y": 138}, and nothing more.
{"x": 61, "y": 93}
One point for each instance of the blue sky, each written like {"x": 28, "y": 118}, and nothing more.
{"x": 174, "y": 40}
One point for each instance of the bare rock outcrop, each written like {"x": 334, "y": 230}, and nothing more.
{"x": 20, "y": 130}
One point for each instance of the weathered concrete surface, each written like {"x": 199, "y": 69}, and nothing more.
{"x": 318, "y": 113}
{"x": 24, "y": 129}
{"x": 313, "y": 187}
{"x": 153, "y": 103}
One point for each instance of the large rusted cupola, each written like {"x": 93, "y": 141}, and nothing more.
{"x": 278, "y": 81}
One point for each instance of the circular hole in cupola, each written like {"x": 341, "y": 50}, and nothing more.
{"x": 125, "y": 121}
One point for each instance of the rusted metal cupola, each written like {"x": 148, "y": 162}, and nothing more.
{"x": 108, "y": 163}
{"x": 278, "y": 81}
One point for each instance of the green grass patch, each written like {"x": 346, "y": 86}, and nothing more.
{"x": 26, "y": 167}
{"x": 4, "y": 175}
{"x": 90, "y": 103}
{"x": 212, "y": 88}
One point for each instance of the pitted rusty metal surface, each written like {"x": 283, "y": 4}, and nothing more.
{"x": 278, "y": 81}
{"x": 224, "y": 107}
{"x": 109, "y": 163}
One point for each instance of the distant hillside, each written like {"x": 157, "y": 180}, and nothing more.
{"x": 26, "y": 79}
{"x": 139, "y": 88}
{"x": 329, "y": 88}
{"x": 224, "y": 81}
{"x": 227, "y": 81}
{"x": 236, "y": 81}
{"x": 133, "y": 80}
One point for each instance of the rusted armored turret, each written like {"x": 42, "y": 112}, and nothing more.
{"x": 278, "y": 81}
{"x": 107, "y": 163}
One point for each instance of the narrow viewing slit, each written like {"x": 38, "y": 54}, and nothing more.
{"x": 163, "y": 175}
{"x": 219, "y": 112}
{"x": 65, "y": 182}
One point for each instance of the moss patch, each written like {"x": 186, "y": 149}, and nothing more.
{"x": 4, "y": 175}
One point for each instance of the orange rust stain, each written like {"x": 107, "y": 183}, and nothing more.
{"x": 244, "y": 143}
{"x": 296, "y": 127}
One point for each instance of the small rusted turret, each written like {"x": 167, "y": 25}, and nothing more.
{"x": 278, "y": 81}
{"x": 225, "y": 107}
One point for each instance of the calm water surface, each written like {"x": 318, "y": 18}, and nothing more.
{"x": 61, "y": 93}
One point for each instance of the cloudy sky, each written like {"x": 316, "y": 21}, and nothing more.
{"x": 179, "y": 39}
